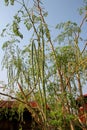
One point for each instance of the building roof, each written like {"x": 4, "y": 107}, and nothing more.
{"x": 13, "y": 104}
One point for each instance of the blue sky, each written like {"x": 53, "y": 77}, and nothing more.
{"x": 58, "y": 11}
{"x": 63, "y": 10}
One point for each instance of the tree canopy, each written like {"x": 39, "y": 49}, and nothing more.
{"x": 51, "y": 74}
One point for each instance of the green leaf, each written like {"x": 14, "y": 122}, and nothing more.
{"x": 37, "y": 19}
{"x": 16, "y": 29}
{"x": 6, "y": 2}
{"x": 81, "y": 11}
{"x": 12, "y": 2}
{"x": 5, "y": 44}
{"x": 3, "y": 31}
{"x": 17, "y": 18}
{"x": 59, "y": 26}
{"x": 34, "y": 17}
{"x": 28, "y": 26}
{"x": 45, "y": 14}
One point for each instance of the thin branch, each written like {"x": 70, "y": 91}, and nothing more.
{"x": 84, "y": 48}
{"x": 19, "y": 2}
{"x": 7, "y": 95}
{"x": 20, "y": 87}
{"x": 82, "y": 22}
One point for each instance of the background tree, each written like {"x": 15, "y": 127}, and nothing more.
{"x": 42, "y": 71}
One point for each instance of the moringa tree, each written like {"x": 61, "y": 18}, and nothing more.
{"x": 45, "y": 72}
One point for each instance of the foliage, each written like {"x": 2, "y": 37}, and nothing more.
{"x": 45, "y": 72}
{"x": 9, "y": 114}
